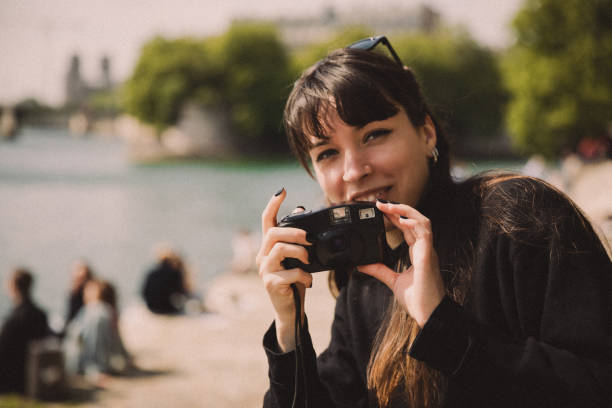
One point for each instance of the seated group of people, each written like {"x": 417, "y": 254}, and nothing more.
{"x": 91, "y": 341}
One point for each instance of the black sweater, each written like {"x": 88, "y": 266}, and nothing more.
{"x": 535, "y": 330}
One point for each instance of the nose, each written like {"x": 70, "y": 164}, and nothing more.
{"x": 355, "y": 167}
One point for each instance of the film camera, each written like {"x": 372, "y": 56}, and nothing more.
{"x": 343, "y": 235}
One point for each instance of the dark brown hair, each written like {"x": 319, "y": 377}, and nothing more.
{"x": 108, "y": 294}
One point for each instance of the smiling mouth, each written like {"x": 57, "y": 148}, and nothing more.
{"x": 371, "y": 195}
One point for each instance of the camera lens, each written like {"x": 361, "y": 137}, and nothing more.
{"x": 338, "y": 244}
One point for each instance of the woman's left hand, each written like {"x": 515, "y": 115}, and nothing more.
{"x": 419, "y": 289}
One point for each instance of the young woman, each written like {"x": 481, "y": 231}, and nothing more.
{"x": 496, "y": 292}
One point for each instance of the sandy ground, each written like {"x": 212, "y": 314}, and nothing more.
{"x": 216, "y": 359}
{"x": 209, "y": 360}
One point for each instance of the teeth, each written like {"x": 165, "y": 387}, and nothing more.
{"x": 370, "y": 197}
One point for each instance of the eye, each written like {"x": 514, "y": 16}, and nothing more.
{"x": 375, "y": 134}
{"x": 326, "y": 154}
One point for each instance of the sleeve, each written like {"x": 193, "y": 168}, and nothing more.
{"x": 333, "y": 378}
{"x": 553, "y": 297}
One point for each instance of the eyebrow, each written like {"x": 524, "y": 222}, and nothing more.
{"x": 319, "y": 143}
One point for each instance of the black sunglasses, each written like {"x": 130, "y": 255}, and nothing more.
{"x": 369, "y": 43}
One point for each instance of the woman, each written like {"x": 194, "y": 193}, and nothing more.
{"x": 496, "y": 292}
{"x": 93, "y": 343}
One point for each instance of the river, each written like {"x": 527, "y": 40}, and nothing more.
{"x": 64, "y": 198}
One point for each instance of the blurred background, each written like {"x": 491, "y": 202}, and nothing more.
{"x": 129, "y": 123}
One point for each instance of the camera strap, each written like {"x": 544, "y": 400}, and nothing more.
{"x": 299, "y": 351}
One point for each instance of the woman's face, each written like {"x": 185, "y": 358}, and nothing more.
{"x": 385, "y": 159}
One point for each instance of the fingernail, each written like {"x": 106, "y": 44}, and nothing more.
{"x": 310, "y": 286}
{"x": 403, "y": 218}
{"x": 300, "y": 206}
{"x": 382, "y": 201}
{"x": 310, "y": 237}
{"x": 279, "y": 192}
{"x": 394, "y": 202}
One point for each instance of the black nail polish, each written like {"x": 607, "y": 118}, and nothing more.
{"x": 394, "y": 202}
{"x": 301, "y": 206}
{"x": 403, "y": 218}
{"x": 382, "y": 201}
{"x": 310, "y": 237}
{"x": 279, "y": 192}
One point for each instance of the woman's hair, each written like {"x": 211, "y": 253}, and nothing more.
{"x": 364, "y": 86}
{"x": 108, "y": 294}
{"x": 22, "y": 280}
{"x": 104, "y": 292}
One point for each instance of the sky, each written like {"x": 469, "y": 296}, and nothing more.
{"x": 37, "y": 37}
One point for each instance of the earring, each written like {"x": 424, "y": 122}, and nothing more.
{"x": 435, "y": 154}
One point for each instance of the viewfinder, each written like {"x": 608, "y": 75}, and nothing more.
{"x": 340, "y": 215}
{"x": 365, "y": 213}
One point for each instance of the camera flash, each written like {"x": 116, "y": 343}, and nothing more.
{"x": 340, "y": 215}
{"x": 366, "y": 213}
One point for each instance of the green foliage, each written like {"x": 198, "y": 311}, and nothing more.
{"x": 243, "y": 73}
{"x": 170, "y": 73}
{"x": 461, "y": 81}
{"x": 257, "y": 76}
{"x": 559, "y": 74}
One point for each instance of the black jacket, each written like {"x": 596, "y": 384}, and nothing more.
{"x": 25, "y": 323}
{"x": 535, "y": 330}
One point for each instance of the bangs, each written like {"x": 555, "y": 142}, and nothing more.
{"x": 356, "y": 99}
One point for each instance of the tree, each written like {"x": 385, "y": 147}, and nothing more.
{"x": 461, "y": 80}
{"x": 257, "y": 80}
{"x": 558, "y": 73}
{"x": 170, "y": 73}
{"x": 243, "y": 73}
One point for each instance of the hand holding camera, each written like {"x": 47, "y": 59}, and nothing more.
{"x": 277, "y": 244}
{"x": 419, "y": 288}
{"x": 341, "y": 236}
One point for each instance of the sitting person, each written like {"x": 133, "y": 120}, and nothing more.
{"x": 93, "y": 343}
{"x": 166, "y": 289}
{"x": 26, "y": 322}
{"x": 81, "y": 274}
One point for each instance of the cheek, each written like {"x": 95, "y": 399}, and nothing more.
{"x": 330, "y": 182}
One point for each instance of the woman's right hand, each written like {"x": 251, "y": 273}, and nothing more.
{"x": 277, "y": 244}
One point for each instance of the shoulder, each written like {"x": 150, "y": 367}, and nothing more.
{"x": 517, "y": 191}
{"x": 508, "y": 195}
{"x": 529, "y": 209}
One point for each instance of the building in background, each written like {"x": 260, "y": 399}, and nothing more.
{"x": 78, "y": 90}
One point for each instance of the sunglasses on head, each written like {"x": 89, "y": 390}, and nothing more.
{"x": 369, "y": 43}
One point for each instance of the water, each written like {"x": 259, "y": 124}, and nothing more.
{"x": 63, "y": 198}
